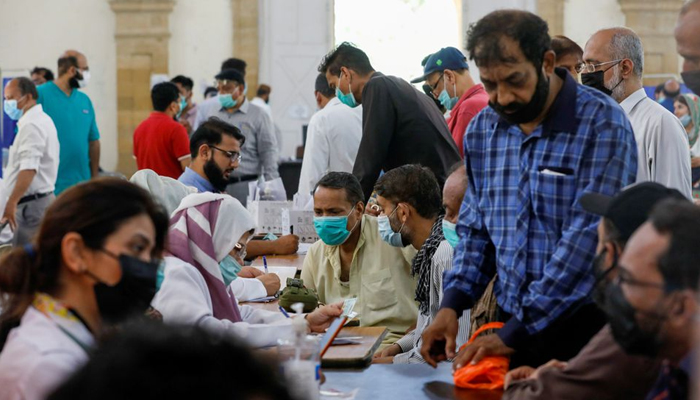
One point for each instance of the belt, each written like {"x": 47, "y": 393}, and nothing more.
{"x": 33, "y": 197}
{"x": 242, "y": 178}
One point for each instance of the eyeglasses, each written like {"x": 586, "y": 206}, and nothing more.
{"x": 232, "y": 155}
{"x": 624, "y": 276}
{"x": 432, "y": 88}
{"x": 587, "y": 68}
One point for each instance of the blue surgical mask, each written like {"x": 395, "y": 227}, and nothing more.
{"x": 229, "y": 269}
{"x": 183, "y": 104}
{"x": 686, "y": 120}
{"x": 160, "y": 275}
{"x": 347, "y": 99}
{"x": 333, "y": 230}
{"x": 449, "y": 229}
{"x": 245, "y": 89}
{"x": 445, "y": 99}
{"x": 11, "y": 110}
{"x": 227, "y": 101}
{"x": 387, "y": 233}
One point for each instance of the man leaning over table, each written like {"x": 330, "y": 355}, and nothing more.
{"x": 352, "y": 260}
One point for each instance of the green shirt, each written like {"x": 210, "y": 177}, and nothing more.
{"x": 380, "y": 278}
{"x": 75, "y": 123}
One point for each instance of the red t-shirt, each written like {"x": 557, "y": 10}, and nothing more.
{"x": 160, "y": 143}
{"x": 471, "y": 102}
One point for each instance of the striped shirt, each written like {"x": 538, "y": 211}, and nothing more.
{"x": 521, "y": 216}
{"x": 412, "y": 342}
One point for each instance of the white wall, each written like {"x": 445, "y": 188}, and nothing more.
{"x": 202, "y": 37}
{"x": 582, "y": 18}
{"x": 36, "y": 32}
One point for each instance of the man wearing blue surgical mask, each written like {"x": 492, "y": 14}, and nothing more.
{"x": 446, "y": 74}
{"x": 351, "y": 259}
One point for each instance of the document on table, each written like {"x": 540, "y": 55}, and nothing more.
{"x": 304, "y": 248}
{"x": 282, "y": 272}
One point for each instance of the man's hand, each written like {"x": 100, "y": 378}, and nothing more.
{"x": 271, "y": 282}
{"x": 383, "y": 360}
{"x": 249, "y": 272}
{"x": 287, "y": 244}
{"x": 372, "y": 209}
{"x": 439, "y": 338}
{"x": 389, "y": 351}
{"x": 551, "y": 364}
{"x": 321, "y": 318}
{"x": 488, "y": 345}
{"x": 517, "y": 375}
{"x": 10, "y": 215}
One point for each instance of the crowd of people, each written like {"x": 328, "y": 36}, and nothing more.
{"x": 554, "y": 197}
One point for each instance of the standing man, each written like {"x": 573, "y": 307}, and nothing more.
{"x": 189, "y": 113}
{"x": 262, "y": 99}
{"x": 614, "y": 61}
{"x": 543, "y": 143}
{"x": 260, "y": 152}
{"x": 447, "y": 74}
{"x": 569, "y": 55}
{"x": 211, "y": 103}
{"x": 400, "y": 125}
{"x": 72, "y": 112}
{"x": 33, "y": 161}
{"x": 41, "y": 75}
{"x": 687, "y": 35}
{"x": 332, "y": 139}
{"x": 671, "y": 90}
{"x": 160, "y": 142}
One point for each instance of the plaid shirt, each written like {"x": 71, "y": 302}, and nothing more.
{"x": 521, "y": 216}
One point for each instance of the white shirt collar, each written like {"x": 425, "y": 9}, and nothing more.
{"x": 333, "y": 102}
{"x": 632, "y": 100}
{"x": 29, "y": 114}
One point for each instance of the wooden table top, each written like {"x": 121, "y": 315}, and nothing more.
{"x": 403, "y": 381}
{"x": 294, "y": 260}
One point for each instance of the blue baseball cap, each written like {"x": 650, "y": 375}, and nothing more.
{"x": 446, "y": 58}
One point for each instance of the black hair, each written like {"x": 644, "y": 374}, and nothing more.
{"x": 659, "y": 88}
{"x": 184, "y": 81}
{"x": 65, "y": 62}
{"x": 209, "y": 90}
{"x": 235, "y": 63}
{"x": 679, "y": 264}
{"x": 613, "y": 234}
{"x": 210, "y": 133}
{"x": 43, "y": 71}
{"x": 681, "y": 99}
{"x": 346, "y": 181}
{"x": 153, "y": 360}
{"x": 485, "y": 45}
{"x": 563, "y": 46}
{"x": 346, "y": 55}
{"x": 412, "y": 184}
{"x": 95, "y": 210}
{"x": 163, "y": 95}
{"x": 263, "y": 89}
{"x": 322, "y": 87}
{"x": 26, "y": 86}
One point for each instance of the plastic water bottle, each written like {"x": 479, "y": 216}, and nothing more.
{"x": 300, "y": 361}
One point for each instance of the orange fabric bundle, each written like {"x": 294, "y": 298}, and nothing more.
{"x": 488, "y": 373}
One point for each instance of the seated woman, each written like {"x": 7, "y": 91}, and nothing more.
{"x": 169, "y": 192}
{"x": 687, "y": 109}
{"x": 91, "y": 265}
{"x": 203, "y": 231}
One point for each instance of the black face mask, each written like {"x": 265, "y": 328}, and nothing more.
{"x": 692, "y": 80}
{"x": 596, "y": 81}
{"x": 132, "y": 295}
{"x": 215, "y": 175}
{"x": 601, "y": 273}
{"x": 625, "y": 328}
{"x": 519, "y": 113}
{"x": 73, "y": 82}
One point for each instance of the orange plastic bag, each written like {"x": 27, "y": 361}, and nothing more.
{"x": 489, "y": 373}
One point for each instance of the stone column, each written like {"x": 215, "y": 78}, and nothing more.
{"x": 246, "y": 39}
{"x": 654, "y": 22}
{"x": 552, "y": 11}
{"x": 142, "y": 35}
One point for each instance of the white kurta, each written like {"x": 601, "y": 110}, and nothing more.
{"x": 662, "y": 144}
{"x": 38, "y": 357}
{"x": 184, "y": 298}
{"x": 248, "y": 288}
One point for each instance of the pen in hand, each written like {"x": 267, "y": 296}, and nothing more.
{"x": 265, "y": 263}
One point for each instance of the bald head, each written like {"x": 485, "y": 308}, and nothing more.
{"x": 687, "y": 35}
{"x": 70, "y": 61}
{"x": 619, "y": 43}
{"x": 453, "y": 192}
{"x": 672, "y": 87}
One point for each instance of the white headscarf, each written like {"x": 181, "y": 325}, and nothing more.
{"x": 167, "y": 191}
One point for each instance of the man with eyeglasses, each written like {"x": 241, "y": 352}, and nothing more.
{"x": 613, "y": 63}
{"x": 602, "y": 370}
{"x": 446, "y": 73}
{"x": 400, "y": 125}
{"x": 255, "y": 125}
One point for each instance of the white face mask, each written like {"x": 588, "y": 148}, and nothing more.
{"x": 86, "y": 78}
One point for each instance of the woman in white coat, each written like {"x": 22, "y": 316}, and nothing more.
{"x": 203, "y": 231}
{"x": 91, "y": 264}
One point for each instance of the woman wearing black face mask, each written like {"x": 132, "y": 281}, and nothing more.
{"x": 91, "y": 265}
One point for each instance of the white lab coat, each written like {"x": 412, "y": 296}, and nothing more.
{"x": 248, "y": 288}
{"x": 184, "y": 298}
{"x": 38, "y": 357}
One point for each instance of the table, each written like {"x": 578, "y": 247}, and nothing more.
{"x": 294, "y": 260}
{"x": 403, "y": 381}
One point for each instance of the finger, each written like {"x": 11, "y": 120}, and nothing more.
{"x": 507, "y": 380}
{"x": 428, "y": 340}
{"x": 481, "y": 353}
{"x": 464, "y": 357}
{"x": 450, "y": 346}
